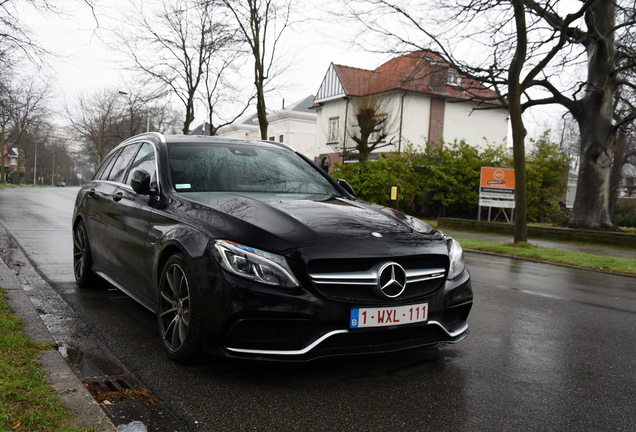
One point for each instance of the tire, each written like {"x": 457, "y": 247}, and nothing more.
{"x": 178, "y": 311}
{"x": 82, "y": 258}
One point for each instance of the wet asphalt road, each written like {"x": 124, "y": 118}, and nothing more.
{"x": 551, "y": 348}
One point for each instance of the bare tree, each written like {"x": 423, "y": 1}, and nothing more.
{"x": 29, "y": 108}
{"x": 175, "y": 45}
{"x": 164, "y": 118}
{"x": 581, "y": 37}
{"x": 262, "y": 23}
{"x": 99, "y": 122}
{"x": 372, "y": 125}
{"x": 6, "y": 109}
{"x": 16, "y": 39}
{"x": 21, "y": 104}
{"x": 220, "y": 93}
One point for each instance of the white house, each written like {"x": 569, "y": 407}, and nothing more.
{"x": 424, "y": 99}
{"x": 294, "y": 125}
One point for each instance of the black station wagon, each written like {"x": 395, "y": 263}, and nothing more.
{"x": 248, "y": 249}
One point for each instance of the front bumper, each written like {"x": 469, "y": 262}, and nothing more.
{"x": 260, "y": 322}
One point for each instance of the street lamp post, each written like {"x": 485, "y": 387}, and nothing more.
{"x": 35, "y": 165}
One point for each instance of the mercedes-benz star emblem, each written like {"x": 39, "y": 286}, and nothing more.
{"x": 391, "y": 280}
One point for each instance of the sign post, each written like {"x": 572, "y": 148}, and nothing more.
{"x": 497, "y": 189}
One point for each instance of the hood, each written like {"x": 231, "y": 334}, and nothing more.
{"x": 306, "y": 221}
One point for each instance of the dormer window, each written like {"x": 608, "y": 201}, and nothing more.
{"x": 454, "y": 79}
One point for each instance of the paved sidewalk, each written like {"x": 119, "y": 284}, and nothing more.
{"x": 579, "y": 247}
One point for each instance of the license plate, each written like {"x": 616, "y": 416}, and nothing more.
{"x": 388, "y": 316}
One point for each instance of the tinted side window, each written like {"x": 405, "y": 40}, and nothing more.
{"x": 124, "y": 160}
{"x": 104, "y": 169}
{"x": 145, "y": 160}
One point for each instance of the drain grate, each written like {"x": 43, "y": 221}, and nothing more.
{"x": 112, "y": 385}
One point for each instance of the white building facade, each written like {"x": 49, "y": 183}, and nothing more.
{"x": 422, "y": 98}
{"x": 294, "y": 125}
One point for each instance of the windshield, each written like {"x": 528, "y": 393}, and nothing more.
{"x": 243, "y": 168}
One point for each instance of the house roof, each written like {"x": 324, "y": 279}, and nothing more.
{"x": 299, "y": 107}
{"x": 299, "y": 110}
{"x": 421, "y": 71}
{"x": 12, "y": 152}
{"x": 356, "y": 81}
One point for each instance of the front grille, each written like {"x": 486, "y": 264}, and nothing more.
{"x": 354, "y": 280}
{"x": 361, "y": 264}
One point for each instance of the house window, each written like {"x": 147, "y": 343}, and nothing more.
{"x": 454, "y": 79}
{"x": 333, "y": 130}
{"x": 272, "y": 138}
{"x": 280, "y": 138}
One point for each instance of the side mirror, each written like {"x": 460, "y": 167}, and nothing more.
{"x": 346, "y": 186}
{"x": 140, "y": 182}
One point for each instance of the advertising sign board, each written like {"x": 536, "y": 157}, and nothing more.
{"x": 497, "y": 182}
{"x": 497, "y": 189}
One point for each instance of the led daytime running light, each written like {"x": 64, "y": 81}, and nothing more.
{"x": 254, "y": 264}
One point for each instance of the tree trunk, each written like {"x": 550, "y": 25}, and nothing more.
{"x": 598, "y": 137}
{"x": 591, "y": 204}
{"x": 2, "y": 155}
{"x": 261, "y": 110}
{"x": 189, "y": 116}
{"x": 516, "y": 122}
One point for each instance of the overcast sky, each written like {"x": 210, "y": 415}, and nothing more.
{"x": 86, "y": 64}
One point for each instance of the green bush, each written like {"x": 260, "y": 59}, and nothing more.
{"x": 624, "y": 216}
{"x": 443, "y": 180}
{"x": 373, "y": 181}
{"x": 451, "y": 173}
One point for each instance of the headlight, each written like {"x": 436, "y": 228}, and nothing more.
{"x": 254, "y": 264}
{"x": 456, "y": 255}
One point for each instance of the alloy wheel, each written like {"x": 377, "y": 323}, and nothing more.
{"x": 79, "y": 252}
{"x": 174, "y": 307}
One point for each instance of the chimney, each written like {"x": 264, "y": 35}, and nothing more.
{"x": 439, "y": 77}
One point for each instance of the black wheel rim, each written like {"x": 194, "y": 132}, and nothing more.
{"x": 174, "y": 307}
{"x": 79, "y": 252}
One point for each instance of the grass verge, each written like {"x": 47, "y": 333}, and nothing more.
{"x": 27, "y": 401}
{"x": 527, "y": 250}
{"x": 10, "y": 185}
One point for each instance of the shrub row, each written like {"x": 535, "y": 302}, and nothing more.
{"x": 443, "y": 179}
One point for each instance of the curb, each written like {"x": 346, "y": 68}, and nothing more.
{"x": 557, "y": 234}
{"x": 86, "y": 412}
{"x": 548, "y": 262}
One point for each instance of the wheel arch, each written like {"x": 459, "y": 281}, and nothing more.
{"x": 164, "y": 256}
{"x": 77, "y": 220}
{"x": 172, "y": 247}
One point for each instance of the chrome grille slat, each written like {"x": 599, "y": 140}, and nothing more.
{"x": 423, "y": 278}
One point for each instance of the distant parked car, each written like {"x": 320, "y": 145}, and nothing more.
{"x": 61, "y": 184}
{"x": 248, "y": 249}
